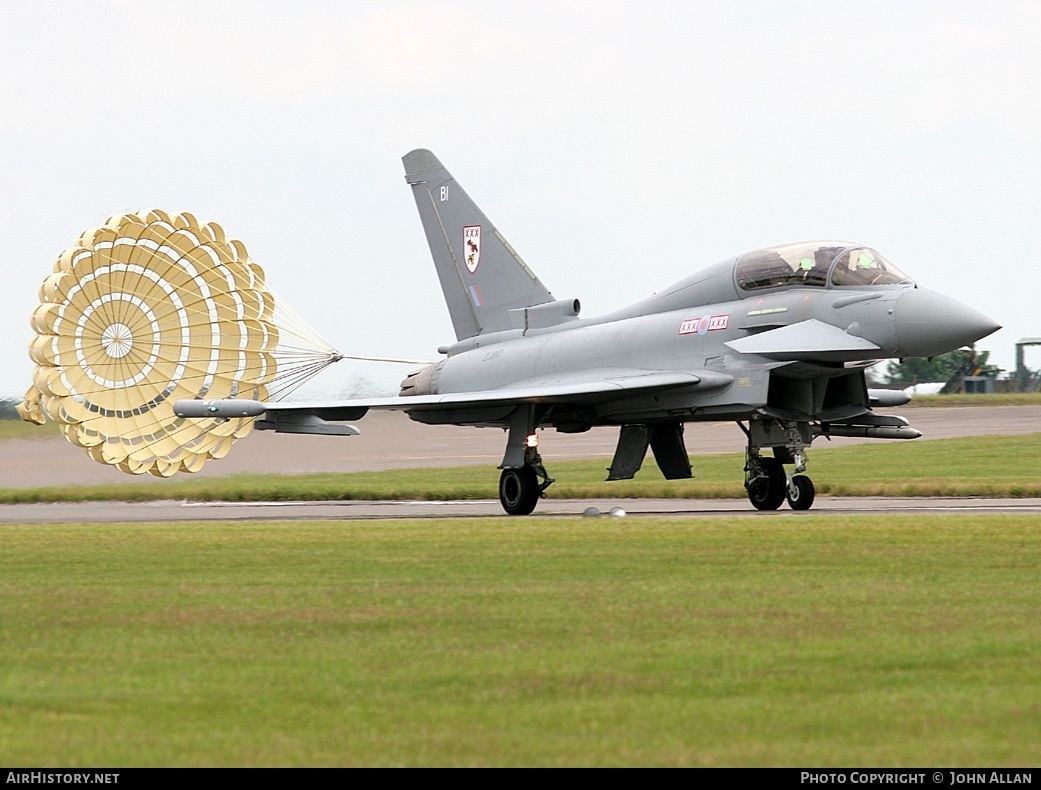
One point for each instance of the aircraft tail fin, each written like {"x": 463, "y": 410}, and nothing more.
{"x": 485, "y": 283}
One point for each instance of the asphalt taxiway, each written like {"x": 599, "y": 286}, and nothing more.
{"x": 98, "y": 512}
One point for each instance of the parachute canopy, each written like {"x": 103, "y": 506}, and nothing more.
{"x": 150, "y": 308}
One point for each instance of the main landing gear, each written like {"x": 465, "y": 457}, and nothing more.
{"x": 766, "y": 481}
{"x": 523, "y": 477}
{"x": 521, "y": 488}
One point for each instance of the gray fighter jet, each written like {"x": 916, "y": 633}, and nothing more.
{"x": 776, "y": 339}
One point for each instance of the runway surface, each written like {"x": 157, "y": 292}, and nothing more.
{"x": 88, "y": 512}
{"x": 390, "y": 440}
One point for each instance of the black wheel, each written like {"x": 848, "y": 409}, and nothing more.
{"x": 768, "y": 492}
{"x": 802, "y": 498}
{"x": 518, "y": 490}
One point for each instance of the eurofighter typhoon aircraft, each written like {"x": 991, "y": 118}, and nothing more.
{"x": 775, "y": 339}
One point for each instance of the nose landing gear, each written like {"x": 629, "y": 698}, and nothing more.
{"x": 800, "y": 492}
{"x": 766, "y": 481}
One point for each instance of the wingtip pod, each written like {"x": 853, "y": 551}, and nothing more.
{"x": 230, "y": 407}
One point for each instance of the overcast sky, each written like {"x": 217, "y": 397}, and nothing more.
{"x": 618, "y": 146}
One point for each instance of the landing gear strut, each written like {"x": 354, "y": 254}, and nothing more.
{"x": 523, "y": 477}
{"x": 766, "y": 481}
{"x": 521, "y": 488}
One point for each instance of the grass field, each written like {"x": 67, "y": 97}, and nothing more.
{"x": 1002, "y": 466}
{"x": 17, "y": 429}
{"x": 976, "y": 399}
{"x": 853, "y": 641}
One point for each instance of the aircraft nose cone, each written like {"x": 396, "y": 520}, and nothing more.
{"x": 928, "y": 323}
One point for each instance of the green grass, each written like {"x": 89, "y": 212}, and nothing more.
{"x": 1001, "y": 466}
{"x": 974, "y": 399}
{"x": 852, "y": 641}
{"x": 18, "y": 429}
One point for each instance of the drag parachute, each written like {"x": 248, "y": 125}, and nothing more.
{"x": 150, "y": 308}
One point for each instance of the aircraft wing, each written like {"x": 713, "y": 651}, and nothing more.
{"x": 807, "y": 340}
{"x": 593, "y": 386}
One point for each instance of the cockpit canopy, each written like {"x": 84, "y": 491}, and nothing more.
{"x": 816, "y": 264}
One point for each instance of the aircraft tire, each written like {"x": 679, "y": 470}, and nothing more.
{"x": 518, "y": 490}
{"x": 804, "y": 493}
{"x": 769, "y": 493}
